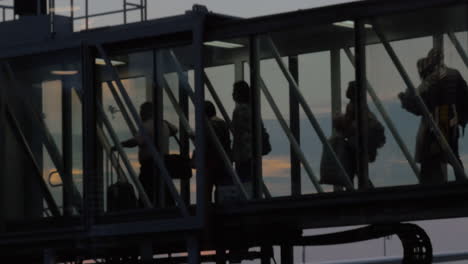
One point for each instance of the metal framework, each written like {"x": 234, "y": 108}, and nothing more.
{"x": 80, "y": 228}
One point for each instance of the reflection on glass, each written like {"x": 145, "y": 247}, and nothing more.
{"x": 43, "y": 174}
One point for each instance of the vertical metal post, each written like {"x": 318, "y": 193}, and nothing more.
{"x": 159, "y": 193}
{"x": 287, "y": 254}
{"x": 295, "y": 126}
{"x": 438, "y": 42}
{"x": 361, "y": 106}
{"x": 72, "y": 11}
{"x": 200, "y": 116}
{"x": 239, "y": 71}
{"x": 193, "y": 249}
{"x": 220, "y": 254}
{"x": 146, "y": 252}
{"x": 265, "y": 254}
{"x": 86, "y": 14}
{"x": 49, "y": 256}
{"x": 256, "y": 116}
{"x": 125, "y": 12}
{"x": 335, "y": 74}
{"x": 89, "y": 134}
{"x": 3, "y": 151}
{"x": 184, "y": 142}
{"x": 67, "y": 147}
{"x": 146, "y": 10}
{"x": 142, "y": 11}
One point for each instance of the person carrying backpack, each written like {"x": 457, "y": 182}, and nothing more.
{"x": 344, "y": 143}
{"x": 444, "y": 93}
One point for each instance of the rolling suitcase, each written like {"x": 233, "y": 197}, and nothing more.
{"x": 121, "y": 194}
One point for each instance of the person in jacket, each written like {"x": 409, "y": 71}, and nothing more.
{"x": 145, "y": 158}
{"x": 440, "y": 86}
{"x": 216, "y": 171}
{"x": 242, "y": 133}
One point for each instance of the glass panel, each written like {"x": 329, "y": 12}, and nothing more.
{"x": 127, "y": 158}
{"x": 438, "y": 83}
{"x": 43, "y": 172}
{"x": 312, "y": 60}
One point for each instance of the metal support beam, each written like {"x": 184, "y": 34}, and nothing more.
{"x": 3, "y": 139}
{"x": 287, "y": 253}
{"x": 184, "y": 141}
{"x": 295, "y": 126}
{"x": 146, "y": 252}
{"x": 200, "y": 116}
{"x": 193, "y": 249}
{"x": 159, "y": 195}
{"x": 44, "y": 132}
{"x": 360, "y": 106}
{"x": 425, "y": 111}
{"x": 67, "y": 147}
{"x": 295, "y": 146}
{"x": 458, "y": 47}
{"x": 256, "y": 116}
{"x": 122, "y": 108}
{"x": 388, "y": 121}
{"x": 52, "y": 205}
{"x": 308, "y": 111}
{"x": 335, "y": 74}
{"x": 217, "y": 100}
{"x": 239, "y": 71}
{"x": 266, "y": 254}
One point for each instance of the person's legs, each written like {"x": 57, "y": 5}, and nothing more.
{"x": 244, "y": 170}
{"x": 146, "y": 179}
{"x": 432, "y": 171}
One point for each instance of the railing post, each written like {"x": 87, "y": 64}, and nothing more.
{"x": 200, "y": 116}
{"x": 89, "y": 134}
{"x": 67, "y": 147}
{"x": 295, "y": 126}
{"x": 256, "y": 116}
{"x": 360, "y": 107}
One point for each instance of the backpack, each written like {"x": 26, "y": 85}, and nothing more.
{"x": 376, "y": 137}
{"x": 330, "y": 173}
{"x": 266, "y": 145}
{"x": 462, "y": 103}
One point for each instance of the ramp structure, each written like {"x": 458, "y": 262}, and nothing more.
{"x": 70, "y": 96}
